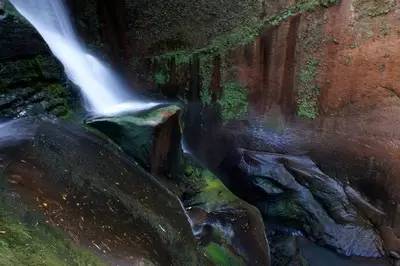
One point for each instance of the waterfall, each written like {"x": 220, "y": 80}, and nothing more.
{"x": 103, "y": 92}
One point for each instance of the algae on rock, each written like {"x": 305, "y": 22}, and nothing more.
{"x": 33, "y": 242}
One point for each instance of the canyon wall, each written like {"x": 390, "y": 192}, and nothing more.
{"x": 329, "y": 74}
{"x": 317, "y": 78}
{"x": 321, "y": 75}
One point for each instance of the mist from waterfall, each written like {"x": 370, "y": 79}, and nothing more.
{"x": 103, "y": 92}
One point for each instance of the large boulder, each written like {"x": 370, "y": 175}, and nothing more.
{"x": 230, "y": 230}
{"x": 151, "y": 137}
{"x": 88, "y": 188}
{"x": 223, "y": 223}
{"x": 291, "y": 191}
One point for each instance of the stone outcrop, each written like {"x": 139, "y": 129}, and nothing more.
{"x": 93, "y": 192}
{"x": 230, "y": 230}
{"x": 150, "y": 137}
{"x": 321, "y": 72}
{"x": 32, "y": 81}
{"x": 220, "y": 220}
{"x": 292, "y": 191}
{"x": 321, "y": 81}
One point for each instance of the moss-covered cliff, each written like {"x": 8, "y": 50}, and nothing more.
{"x": 31, "y": 80}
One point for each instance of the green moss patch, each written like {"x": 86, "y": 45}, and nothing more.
{"x": 161, "y": 78}
{"x": 36, "y": 243}
{"x": 246, "y": 33}
{"x": 209, "y": 193}
{"x": 221, "y": 256}
{"x": 206, "y": 68}
{"x": 234, "y": 101}
{"x": 308, "y": 92}
{"x": 374, "y": 8}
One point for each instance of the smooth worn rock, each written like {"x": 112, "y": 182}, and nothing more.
{"x": 150, "y": 137}
{"x": 394, "y": 255}
{"x": 220, "y": 219}
{"x": 375, "y": 215}
{"x": 308, "y": 200}
{"x": 230, "y": 230}
{"x": 89, "y": 188}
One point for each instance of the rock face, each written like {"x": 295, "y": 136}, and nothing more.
{"x": 292, "y": 191}
{"x": 318, "y": 74}
{"x": 230, "y": 230}
{"x": 89, "y": 189}
{"x": 321, "y": 81}
{"x": 31, "y": 79}
{"x": 151, "y": 137}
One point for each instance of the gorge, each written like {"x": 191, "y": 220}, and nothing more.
{"x": 250, "y": 132}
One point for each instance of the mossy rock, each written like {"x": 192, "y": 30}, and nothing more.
{"x": 221, "y": 256}
{"x": 150, "y": 137}
{"x": 215, "y": 211}
{"x": 234, "y": 101}
{"x": 374, "y": 8}
{"x": 73, "y": 170}
{"x": 25, "y": 239}
{"x": 308, "y": 90}
{"x": 38, "y": 99}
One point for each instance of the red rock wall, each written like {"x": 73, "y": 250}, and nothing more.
{"x": 358, "y": 77}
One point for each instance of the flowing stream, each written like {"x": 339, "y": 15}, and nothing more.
{"x": 104, "y": 93}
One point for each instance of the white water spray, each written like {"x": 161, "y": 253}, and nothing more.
{"x": 104, "y": 93}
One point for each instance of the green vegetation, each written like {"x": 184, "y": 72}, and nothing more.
{"x": 209, "y": 193}
{"x": 221, "y": 256}
{"x": 206, "y": 68}
{"x": 161, "y": 78}
{"x": 205, "y": 96}
{"x": 36, "y": 243}
{"x": 299, "y": 7}
{"x": 308, "y": 91}
{"x": 161, "y": 75}
{"x": 56, "y": 90}
{"x": 11, "y": 11}
{"x": 245, "y": 33}
{"x": 57, "y": 100}
{"x": 374, "y": 8}
{"x": 234, "y": 101}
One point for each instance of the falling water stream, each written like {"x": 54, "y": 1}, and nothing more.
{"x": 104, "y": 93}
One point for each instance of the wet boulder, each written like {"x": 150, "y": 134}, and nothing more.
{"x": 230, "y": 231}
{"x": 292, "y": 191}
{"x": 151, "y": 137}
{"x": 226, "y": 226}
{"x": 85, "y": 186}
